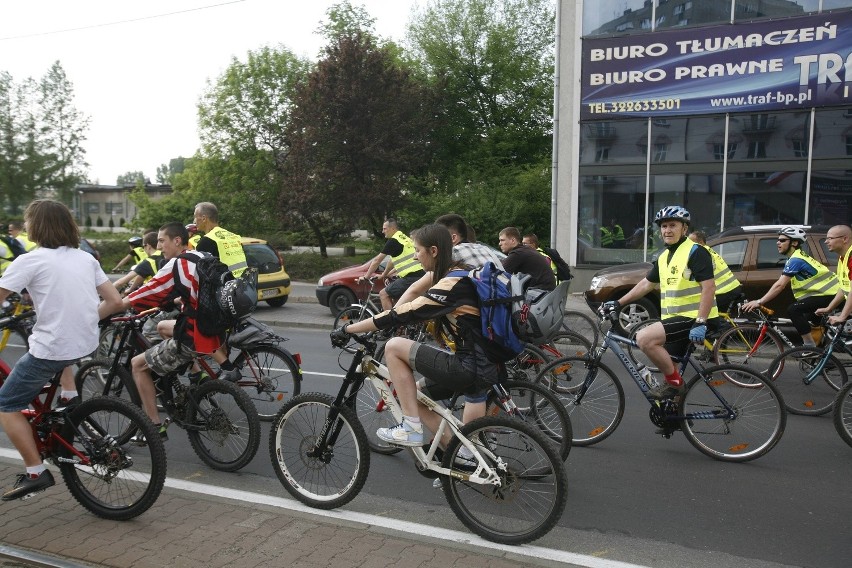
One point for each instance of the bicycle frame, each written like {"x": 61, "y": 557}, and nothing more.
{"x": 366, "y": 369}
{"x": 835, "y": 343}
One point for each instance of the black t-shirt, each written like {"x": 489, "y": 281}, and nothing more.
{"x": 393, "y": 247}
{"x": 529, "y": 261}
{"x": 700, "y": 263}
{"x": 206, "y": 244}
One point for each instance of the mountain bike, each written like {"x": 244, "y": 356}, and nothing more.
{"x": 113, "y": 480}
{"x": 364, "y": 309}
{"x": 809, "y": 378}
{"x": 842, "y": 416}
{"x": 728, "y": 412}
{"x": 10, "y": 322}
{"x": 219, "y": 417}
{"x": 512, "y": 491}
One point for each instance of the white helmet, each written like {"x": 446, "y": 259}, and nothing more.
{"x": 675, "y": 212}
{"x": 796, "y": 233}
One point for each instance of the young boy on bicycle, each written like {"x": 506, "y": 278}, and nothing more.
{"x": 64, "y": 283}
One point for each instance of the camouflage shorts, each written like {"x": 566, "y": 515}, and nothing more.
{"x": 168, "y": 356}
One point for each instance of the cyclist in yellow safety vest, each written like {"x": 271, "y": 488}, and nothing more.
{"x": 684, "y": 272}
{"x": 137, "y": 253}
{"x": 143, "y": 271}
{"x": 223, "y": 244}
{"x": 839, "y": 240}
{"x": 606, "y": 237}
{"x": 16, "y": 230}
{"x": 400, "y": 248}
{"x": 728, "y": 288}
{"x": 813, "y": 284}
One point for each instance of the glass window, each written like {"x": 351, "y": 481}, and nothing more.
{"x": 765, "y": 198}
{"x": 831, "y": 198}
{"x": 93, "y": 208}
{"x": 604, "y": 199}
{"x": 618, "y": 137}
{"x": 751, "y": 9}
{"x": 733, "y": 252}
{"x": 675, "y": 13}
{"x": 834, "y": 4}
{"x": 781, "y": 135}
{"x": 768, "y": 255}
{"x": 833, "y": 133}
{"x": 700, "y": 194}
{"x": 604, "y": 17}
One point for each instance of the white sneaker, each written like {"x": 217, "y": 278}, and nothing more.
{"x": 404, "y": 434}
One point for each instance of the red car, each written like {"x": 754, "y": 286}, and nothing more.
{"x": 339, "y": 289}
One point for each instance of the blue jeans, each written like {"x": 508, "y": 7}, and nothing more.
{"x": 26, "y": 381}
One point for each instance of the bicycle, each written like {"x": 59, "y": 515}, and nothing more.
{"x": 15, "y": 306}
{"x": 218, "y": 416}
{"x": 363, "y": 309}
{"x": 582, "y": 324}
{"x": 513, "y": 490}
{"x": 728, "y": 412}
{"x": 842, "y": 416}
{"x": 809, "y": 378}
{"x": 113, "y": 480}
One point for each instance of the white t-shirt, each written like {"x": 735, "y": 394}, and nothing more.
{"x": 63, "y": 284}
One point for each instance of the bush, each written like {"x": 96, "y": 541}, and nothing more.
{"x": 310, "y": 266}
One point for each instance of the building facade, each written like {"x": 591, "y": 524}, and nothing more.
{"x": 110, "y": 205}
{"x": 739, "y": 110}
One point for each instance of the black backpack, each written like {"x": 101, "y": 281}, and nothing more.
{"x": 563, "y": 271}
{"x": 14, "y": 245}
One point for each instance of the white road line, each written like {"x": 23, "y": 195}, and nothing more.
{"x": 386, "y": 523}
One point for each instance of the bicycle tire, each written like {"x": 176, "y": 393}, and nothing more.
{"x": 529, "y": 502}
{"x": 324, "y": 483}
{"x": 373, "y": 414}
{"x": 582, "y": 323}
{"x": 755, "y": 429}
{"x": 793, "y": 367}
{"x": 596, "y": 413}
{"x": 95, "y": 379}
{"x": 271, "y": 376}
{"x": 351, "y": 314}
{"x": 528, "y": 364}
{"x": 120, "y": 483}
{"x": 230, "y": 433}
{"x": 739, "y": 346}
{"x": 843, "y": 413}
{"x": 567, "y": 343}
{"x": 538, "y": 407}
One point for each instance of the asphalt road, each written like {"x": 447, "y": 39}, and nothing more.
{"x": 635, "y": 497}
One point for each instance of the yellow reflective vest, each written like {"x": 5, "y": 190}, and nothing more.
{"x": 28, "y": 244}
{"x": 230, "y": 249}
{"x": 139, "y": 254}
{"x": 406, "y": 262}
{"x": 823, "y": 283}
{"x": 680, "y": 295}
{"x": 843, "y": 271}
{"x": 725, "y": 279}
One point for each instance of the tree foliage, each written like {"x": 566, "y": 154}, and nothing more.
{"x": 166, "y": 172}
{"x": 131, "y": 178}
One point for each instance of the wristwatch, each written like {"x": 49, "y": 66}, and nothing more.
{"x": 700, "y": 320}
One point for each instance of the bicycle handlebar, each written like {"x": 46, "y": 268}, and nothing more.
{"x": 8, "y": 320}
{"x": 130, "y": 316}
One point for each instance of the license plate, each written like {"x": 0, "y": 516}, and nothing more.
{"x": 269, "y": 293}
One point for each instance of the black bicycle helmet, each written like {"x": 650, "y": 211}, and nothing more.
{"x": 237, "y": 298}
{"x": 135, "y": 242}
{"x": 675, "y": 212}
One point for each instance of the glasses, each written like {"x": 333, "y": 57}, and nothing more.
{"x": 783, "y": 240}
{"x": 831, "y": 238}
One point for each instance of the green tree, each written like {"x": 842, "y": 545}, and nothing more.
{"x": 166, "y": 172}
{"x": 131, "y": 178}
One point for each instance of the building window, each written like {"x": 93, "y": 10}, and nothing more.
{"x": 645, "y": 24}
{"x": 756, "y": 149}
{"x": 678, "y": 10}
{"x": 114, "y": 208}
{"x": 800, "y": 148}
{"x": 661, "y": 20}
{"x": 660, "y": 151}
{"x": 602, "y": 154}
{"x": 93, "y": 208}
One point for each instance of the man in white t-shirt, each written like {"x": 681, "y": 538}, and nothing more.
{"x": 64, "y": 283}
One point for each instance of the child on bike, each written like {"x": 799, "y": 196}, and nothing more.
{"x": 64, "y": 283}
{"x": 454, "y": 301}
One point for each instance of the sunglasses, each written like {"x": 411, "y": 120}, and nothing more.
{"x": 783, "y": 240}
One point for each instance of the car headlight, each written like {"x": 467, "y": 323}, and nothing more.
{"x": 320, "y": 282}
{"x": 596, "y": 282}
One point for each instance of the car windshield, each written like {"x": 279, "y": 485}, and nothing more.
{"x": 261, "y": 256}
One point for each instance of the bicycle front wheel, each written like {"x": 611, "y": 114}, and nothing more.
{"x": 528, "y": 364}
{"x": 270, "y": 377}
{"x": 843, "y": 413}
{"x": 748, "y": 344}
{"x": 533, "y": 484}
{"x": 592, "y": 395}
{"x": 351, "y": 314}
{"x": 95, "y": 378}
{"x": 581, "y": 323}
{"x": 327, "y": 477}
{"x": 808, "y": 379}
{"x": 223, "y": 427}
{"x": 567, "y": 343}
{"x": 732, "y": 413}
{"x": 112, "y": 481}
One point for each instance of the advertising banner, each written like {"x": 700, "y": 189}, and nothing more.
{"x": 779, "y": 64}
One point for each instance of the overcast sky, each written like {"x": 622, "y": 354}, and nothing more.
{"x": 139, "y": 68}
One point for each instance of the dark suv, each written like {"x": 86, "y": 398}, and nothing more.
{"x": 751, "y": 253}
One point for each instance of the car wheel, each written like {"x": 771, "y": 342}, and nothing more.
{"x": 339, "y": 299}
{"x": 635, "y": 313}
{"x": 277, "y": 302}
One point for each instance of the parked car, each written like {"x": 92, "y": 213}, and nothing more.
{"x": 87, "y": 246}
{"x": 339, "y": 289}
{"x": 750, "y": 252}
{"x": 273, "y": 282}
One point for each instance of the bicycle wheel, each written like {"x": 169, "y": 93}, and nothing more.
{"x": 223, "y": 426}
{"x": 568, "y": 343}
{"x": 95, "y": 379}
{"x": 581, "y": 323}
{"x": 843, "y": 413}
{"x": 748, "y": 344}
{"x": 808, "y": 379}
{"x": 114, "y": 482}
{"x": 351, "y": 315}
{"x": 533, "y": 482}
{"x": 334, "y": 477}
{"x": 271, "y": 376}
{"x": 106, "y": 339}
{"x": 373, "y": 414}
{"x": 527, "y": 364}
{"x": 538, "y": 407}
{"x": 728, "y": 421}
{"x": 595, "y": 408}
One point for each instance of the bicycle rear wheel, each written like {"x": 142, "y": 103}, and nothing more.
{"x": 351, "y": 314}
{"x": 116, "y": 482}
{"x": 334, "y": 476}
{"x": 582, "y": 324}
{"x": 843, "y": 413}
{"x": 538, "y": 407}
{"x": 271, "y": 377}
{"x": 223, "y": 426}
{"x": 808, "y": 379}
{"x": 527, "y": 364}
{"x": 568, "y": 343}
{"x": 732, "y": 419}
{"x": 95, "y": 379}
{"x": 748, "y": 344}
{"x": 533, "y": 482}
{"x": 596, "y": 410}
